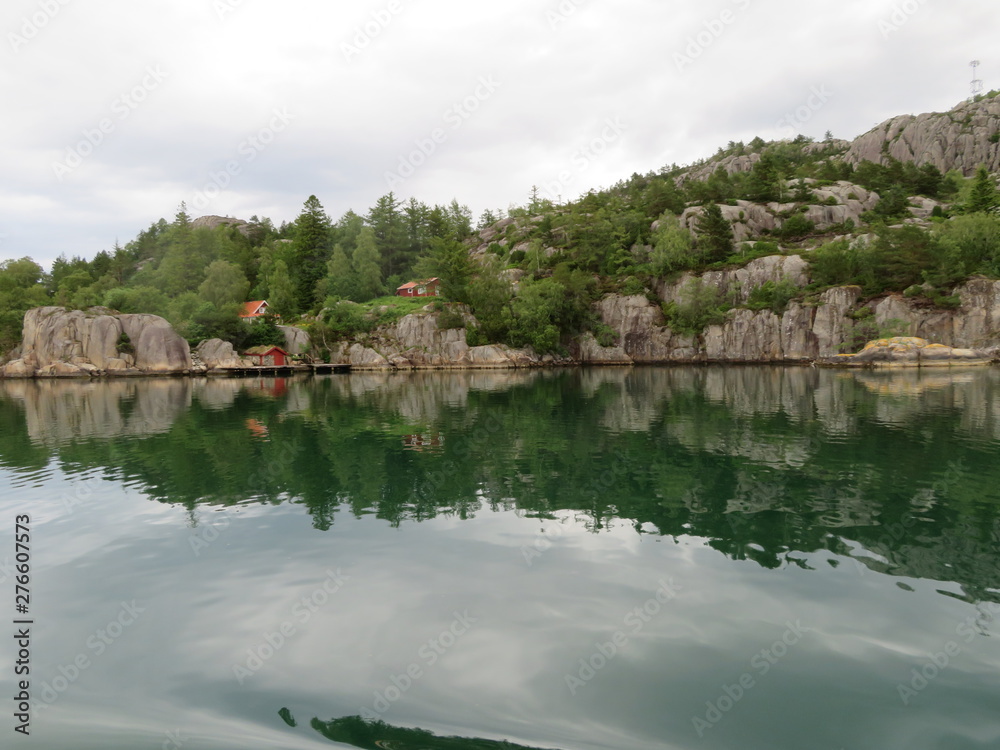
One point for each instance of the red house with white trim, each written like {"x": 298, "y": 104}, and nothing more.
{"x": 255, "y": 309}
{"x": 425, "y": 288}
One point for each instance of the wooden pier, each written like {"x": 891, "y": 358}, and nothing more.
{"x": 283, "y": 371}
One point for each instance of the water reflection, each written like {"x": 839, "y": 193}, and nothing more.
{"x": 763, "y": 462}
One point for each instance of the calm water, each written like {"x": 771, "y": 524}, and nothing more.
{"x": 733, "y": 558}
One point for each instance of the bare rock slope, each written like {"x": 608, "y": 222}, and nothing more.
{"x": 961, "y": 138}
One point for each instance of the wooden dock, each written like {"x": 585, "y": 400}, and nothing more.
{"x": 326, "y": 369}
{"x": 284, "y": 371}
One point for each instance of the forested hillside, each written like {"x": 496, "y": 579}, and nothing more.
{"x": 530, "y": 273}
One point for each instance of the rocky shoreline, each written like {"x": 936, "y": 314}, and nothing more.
{"x": 60, "y": 343}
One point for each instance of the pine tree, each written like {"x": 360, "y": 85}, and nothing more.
{"x": 391, "y": 241}
{"x": 715, "y": 234}
{"x": 764, "y": 182}
{"x": 310, "y": 250}
{"x": 983, "y": 197}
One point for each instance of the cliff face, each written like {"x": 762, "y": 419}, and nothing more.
{"x": 416, "y": 341}
{"x": 64, "y": 343}
{"x": 958, "y": 139}
{"x": 802, "y": 333}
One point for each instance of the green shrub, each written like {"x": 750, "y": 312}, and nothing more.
{"x": 773, "y": 296}
{"x": 864, "y": 329}
{"x": 450, "y": 318}
{"x": 632, "y": 286}
{"x": 605, "y": 335}
{"x": 345, "y": 320}
{"x": 796, "y": 226}
{"x": 700, "y": 305}
{"x": 475, "y": 337}
{"x": 124, "y": 344}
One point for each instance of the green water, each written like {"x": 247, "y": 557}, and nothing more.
{"x": 731, "y": 558}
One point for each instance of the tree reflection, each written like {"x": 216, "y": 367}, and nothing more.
{"x": 759, "y": 462}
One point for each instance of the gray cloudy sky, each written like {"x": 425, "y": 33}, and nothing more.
{"x": 115, "y": 111}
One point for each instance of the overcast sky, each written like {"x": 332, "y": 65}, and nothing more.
{"x": 115, "y": 111}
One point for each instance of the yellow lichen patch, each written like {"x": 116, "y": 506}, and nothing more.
{"x": 898, "y": 342}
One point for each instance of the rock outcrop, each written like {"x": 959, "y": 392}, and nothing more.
{"x": 213, "y": 222}
{"x": 907, "y": 351}
{"x": 961, "y": 138}
{"x": 217, "y": 354}
{"x": 72, "y": 343}
{"x": 417, "y": 342}
{"x": 296, "y": 340}
{"x": 738, "y": 283}
{"x": 838, "y": 203}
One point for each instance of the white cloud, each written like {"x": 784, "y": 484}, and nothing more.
{"x": 356, "y": 115}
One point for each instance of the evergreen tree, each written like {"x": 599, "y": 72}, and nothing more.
{"x": 715, "y": 234}
{"x": 310, "y": 250}
{"x": 389, "y": 232}
{"x": 764, "y": 182}
{"x": 182, "y": 267}
{"x": 983, "y": 197}
{"x": 449, "y": 261}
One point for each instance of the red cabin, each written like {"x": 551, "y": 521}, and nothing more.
{"x": 268, "y": 356}
{"x": 425, "y": 288}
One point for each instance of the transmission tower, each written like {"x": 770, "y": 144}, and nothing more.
{"x": 977, "y": 83}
